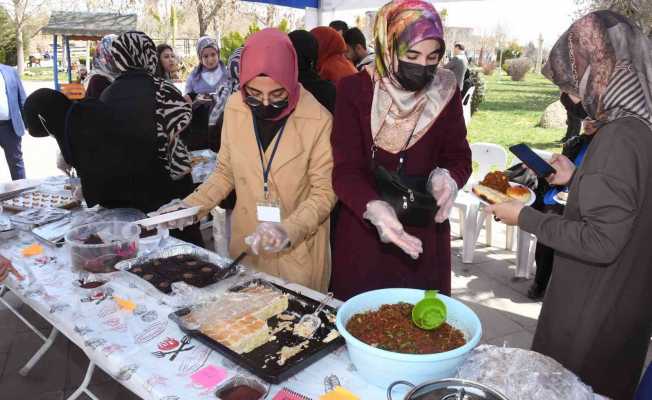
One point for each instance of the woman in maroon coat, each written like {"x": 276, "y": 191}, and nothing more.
{"x": 401, "y": 108}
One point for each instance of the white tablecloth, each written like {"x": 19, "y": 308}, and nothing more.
{"x": 122, "y": 343}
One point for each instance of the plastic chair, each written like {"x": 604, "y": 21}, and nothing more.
{"x": 487, "y": 157}
{"x": 526, "y": 243}
{"x": 466, "y": 105}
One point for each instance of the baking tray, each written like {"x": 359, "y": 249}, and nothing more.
{"x": 255, "y": 360}
{"x": 179, "y": 250}
{"x": 24, "y": 201}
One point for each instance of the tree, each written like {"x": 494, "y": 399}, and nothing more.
{"x": 639, "y": 11}
{"x": 21, "y": 13}
{"x": 7, "y": 39}
{"x": 206, "y": 12}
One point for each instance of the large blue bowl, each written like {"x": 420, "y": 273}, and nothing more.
{"x": 381, "y": 367}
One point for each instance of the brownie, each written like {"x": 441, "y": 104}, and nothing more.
{"x": 93, "y": 239}
{"x": 194, "y": 271}
{"x": 145, "y": 233}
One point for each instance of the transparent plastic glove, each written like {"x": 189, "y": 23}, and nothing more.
{"x": 174, "y": 205}
{"x": 390, "y": 229}
{"x": 269, "y": 237}
{"x": 62, "y": 165}
{"x": 443, "y": 188}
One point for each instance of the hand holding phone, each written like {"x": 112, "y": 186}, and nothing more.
{"x": 564, "y": 170}
{"x": 532, "y": 160}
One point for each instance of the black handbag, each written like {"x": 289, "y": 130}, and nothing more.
{"x": 413, "y": 204}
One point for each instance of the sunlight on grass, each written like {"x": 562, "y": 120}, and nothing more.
{"x": 511, "y": 111}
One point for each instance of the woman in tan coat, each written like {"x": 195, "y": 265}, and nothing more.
{"x": 276, "y": 154}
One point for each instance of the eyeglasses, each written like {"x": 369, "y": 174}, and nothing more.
{"x": 276, "y": 99}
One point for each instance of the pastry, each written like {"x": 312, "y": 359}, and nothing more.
{"x": 519, "y": 193}
{"x": 241, "y": 335}
{"x": 490, "y": 195}
{"x": 496, "y": 180}
{"x": 238, "y": 319}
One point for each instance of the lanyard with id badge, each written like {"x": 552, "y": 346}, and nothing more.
{"x": 268, "y": 210}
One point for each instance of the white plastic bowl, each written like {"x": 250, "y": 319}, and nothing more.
{"x": 381, "y": 367}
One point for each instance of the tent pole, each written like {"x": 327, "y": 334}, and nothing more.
{"x": 55, "y": 65}
{"x": 68, "y": 58}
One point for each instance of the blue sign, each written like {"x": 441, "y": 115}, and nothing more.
{"x": 290, "y": 3}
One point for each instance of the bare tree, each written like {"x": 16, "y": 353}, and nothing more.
{"x": 206, "y": 12}
{"x": 21, "y": 12}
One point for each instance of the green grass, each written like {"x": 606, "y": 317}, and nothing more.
{"x": 42, "y": 74}
{"x": 511, "y": 112}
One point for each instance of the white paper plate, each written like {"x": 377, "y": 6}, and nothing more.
{"x": 533, "y": 196}
{"x": 558, "y": 199}
{"x": 167, "y": 217}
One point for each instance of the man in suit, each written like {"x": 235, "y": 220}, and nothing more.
{"x": 12, "y": 129}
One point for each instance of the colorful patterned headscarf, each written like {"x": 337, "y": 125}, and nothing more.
{"x": 607, "y": 62}
{"x": 398, "y": 114}
{"x": 401, "y": 24}
{"x": 103, "y": 63}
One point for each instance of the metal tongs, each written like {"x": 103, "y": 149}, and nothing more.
{"x": 309, "y": 323}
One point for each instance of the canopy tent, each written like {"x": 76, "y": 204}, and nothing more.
{"x": 315, "y": 9}
{"x": 87, "y": 26}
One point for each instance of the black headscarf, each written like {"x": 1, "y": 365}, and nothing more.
{"x": 135, "y": 51}
{"x": 307, "y": 49}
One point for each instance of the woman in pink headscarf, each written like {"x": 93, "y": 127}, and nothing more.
{"x": 276, "y": 154}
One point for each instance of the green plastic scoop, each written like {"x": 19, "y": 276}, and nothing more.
{"x": 430, "y": 312}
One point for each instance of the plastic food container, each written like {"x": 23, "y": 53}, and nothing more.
{"x": 152, "y": 243}
{"x": 243, "y": 385}
{"x": 117, "y": 241}
{"x": 382, "y": 367}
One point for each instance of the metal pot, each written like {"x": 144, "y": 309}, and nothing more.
{"x": 447, "y": 389}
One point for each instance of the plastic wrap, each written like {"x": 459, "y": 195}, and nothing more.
{"x": 220, "y": 231}
{"x": 203, "y": 163}
{"x": 183, "y": 294}
{"x": 232, "y": 305}
{"x": 523, "y": 375}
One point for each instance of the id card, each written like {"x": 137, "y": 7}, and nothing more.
{"x": 268, "y": 211}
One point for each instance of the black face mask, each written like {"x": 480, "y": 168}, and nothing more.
{"x": 414, "y": 77}
{"x": 262, "y": 111}
{"x": 577, "y": 110}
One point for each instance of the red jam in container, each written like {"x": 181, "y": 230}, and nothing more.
{"x": 241, "y": 388}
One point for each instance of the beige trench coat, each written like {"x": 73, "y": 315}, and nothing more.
{"x": 300, "y": 180}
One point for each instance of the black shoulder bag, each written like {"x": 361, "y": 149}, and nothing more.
{"x": 407, "y": 195}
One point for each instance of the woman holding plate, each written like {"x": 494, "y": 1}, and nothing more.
{"x": 596, "y": 318}
{"x": 276, "y": 155}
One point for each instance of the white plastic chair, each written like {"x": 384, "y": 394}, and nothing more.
{"x": 488, "y": 157}
{"x": 526, "y": 243}
{"x": 466, "y": 105}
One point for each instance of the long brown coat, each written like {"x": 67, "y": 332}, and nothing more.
{"x": 300, "y": 180}
{"x": 597, "y": 314}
